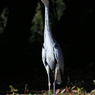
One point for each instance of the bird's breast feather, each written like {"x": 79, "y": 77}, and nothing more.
{"x": 50, "y": 61}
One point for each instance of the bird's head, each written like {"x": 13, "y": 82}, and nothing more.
{"x": 45, "y": 2}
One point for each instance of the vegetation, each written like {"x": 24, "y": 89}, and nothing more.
{"x": 37, "y": 22}
{"x": 3, "y": 19}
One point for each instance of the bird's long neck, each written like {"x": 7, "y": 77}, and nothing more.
{"x": 47, "y": 30}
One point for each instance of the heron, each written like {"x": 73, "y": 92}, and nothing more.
{"x": 52, "y": 56}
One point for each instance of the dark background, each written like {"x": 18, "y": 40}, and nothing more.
{"x": 20, "y": 61}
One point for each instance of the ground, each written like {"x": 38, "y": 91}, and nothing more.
{"x": 77, "y": 81}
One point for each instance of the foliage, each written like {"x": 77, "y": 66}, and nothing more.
{"x": 61, "y": 94}
{"x": 37, "y": 22}
{"x": 69, "y": 83}
{"x": 12, "y": 93}
{"x": 77, "y": 83}
{"x": 58, "y": 10}
{"x": 3, "y": 19}
{"x": 50, "y": 92}
{"x": 13, "y": 89}
{"x": 26, "y": 89}
{"x": 37, "y": 25}
{"x": 94, "y": 82}
{"x": 79, "y": 90}
{"x": 29, "y": 94}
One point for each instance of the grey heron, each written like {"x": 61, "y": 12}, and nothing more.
{"x": 52, "y": 56}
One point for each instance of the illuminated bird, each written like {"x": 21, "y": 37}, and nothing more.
{"x": 52, "y": 56}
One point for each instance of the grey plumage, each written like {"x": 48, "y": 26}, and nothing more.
{"x": 52, "y": 56}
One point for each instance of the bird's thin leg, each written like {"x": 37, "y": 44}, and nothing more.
{"x": 48, "y": 70}
{"x": 54, "y": 87}
{"x": 49, "y": 84}
{"x": 54, "y": 82}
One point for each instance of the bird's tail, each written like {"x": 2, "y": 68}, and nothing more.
{"x": 58, "y": 78}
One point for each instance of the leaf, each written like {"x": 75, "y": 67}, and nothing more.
{"x": 13, "y": 93}
{"x": 29, "y": 94}
{"x": 94, "y": 82}
{"x": 13, "y": 89}
{"x": 10, "y": 86}
{"x": 26, "y": 89}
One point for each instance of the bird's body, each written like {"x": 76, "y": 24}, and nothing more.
{"x": 52, "y": 56}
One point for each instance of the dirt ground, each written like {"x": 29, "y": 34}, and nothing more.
{"x": 64, "y": 91}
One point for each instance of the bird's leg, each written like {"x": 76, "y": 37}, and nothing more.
{"x": 54, "y": 81}
{"x": 49, "y": 84}
{"x": 48, "y": 70}
{"x": 54, "y": 87}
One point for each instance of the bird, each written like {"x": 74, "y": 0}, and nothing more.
{"x": 52, "y": 56}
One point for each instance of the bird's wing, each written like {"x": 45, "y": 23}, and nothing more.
{"x": 59, "y": 56}
{"x": 56, "y": 52}
{"x": 43, "y": 55}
